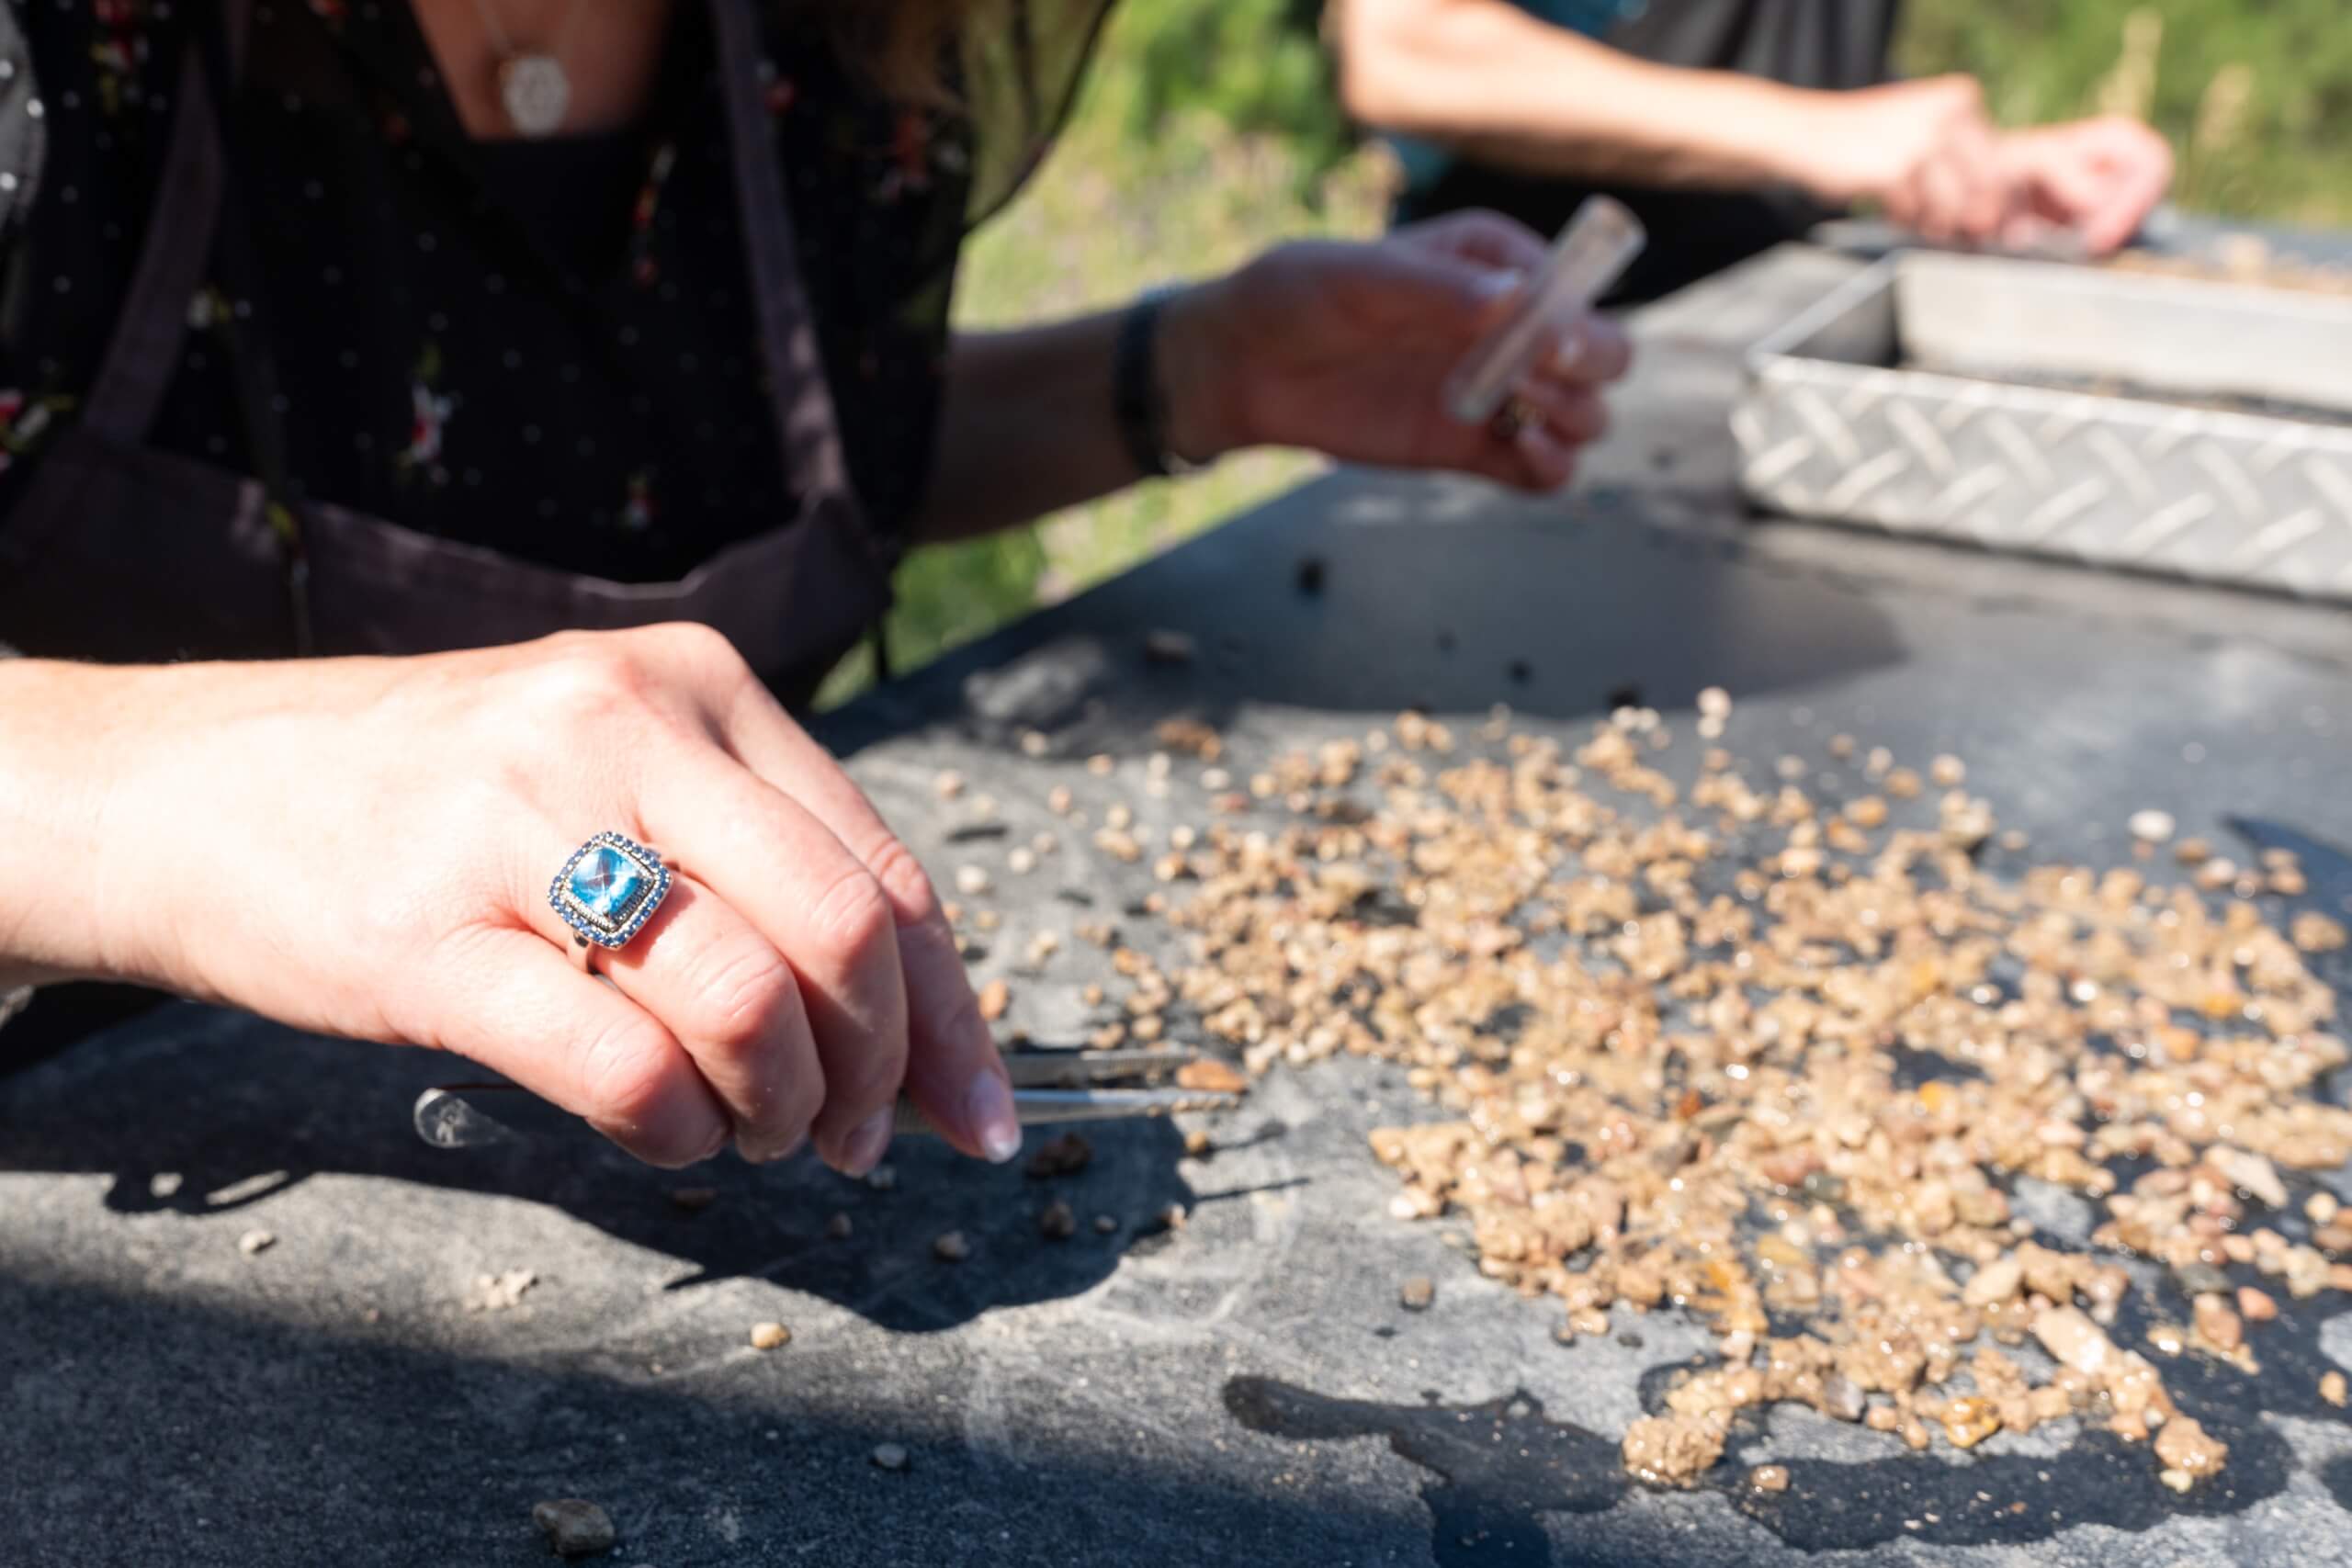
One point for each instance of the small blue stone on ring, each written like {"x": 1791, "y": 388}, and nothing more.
{"x": 609, "y": 888}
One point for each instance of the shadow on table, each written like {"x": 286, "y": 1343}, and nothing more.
{"x": 147, "y": 1430}
{"x": 204, "y": 1112}
{"x": 1363, "y": 595}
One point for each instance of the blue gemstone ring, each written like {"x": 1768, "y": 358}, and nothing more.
{"x": 607, "y": 892}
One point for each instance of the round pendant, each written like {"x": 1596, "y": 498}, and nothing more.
{"x": 536, "y": 93}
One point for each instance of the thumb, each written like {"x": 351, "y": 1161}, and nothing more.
{"x": 1451, "y": 296}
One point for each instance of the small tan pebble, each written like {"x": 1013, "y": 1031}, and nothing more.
{"x": 1210, "y": 1076}
{"x": 889, "y": 1456}
{"x": 1996, "y": 1282}
{"x": 499, "y": 1292}
{"x": 1092, "y": 995}
{"x": 1417, "y": 1293}
{"x": 256, "y": 1241}
{"x": 949, "y": 783}
{"x": 1021, "y": 860}
{"x": 987, "y": 920}
{"x": 2177, "y": 1479}
{"x": 2182, "y": 1444}
{"x": 2335, "y": 1390}
{"x": 1104, "y": 1224}
{"x": 2013, "y": 839}
{"x": 1100, "y": 764}
{"x": 164, "y": 1184}
{"x": 2152, "y": 827}
{"x": 971, "y": 880}
{"x": 1903, "y": 783}
{"x": 838, "y": 1227}
{"x": 2255, "y": 1307}
{"x": 1035, "y": 743}
{"x": 982, "y": 808}
{"x": 1769, "y": 1478}
{"x": 950, "y": 1246}
{"x": 1949, "y": 771}
{"x": 770, "y": 1335}
{"x": 2214, "y": 875}
{"x": 1058, "y": 800}
{"x": 1790, "y": 768}
{"x": 1715, "y": 702}
{"x": 995, "y": 996}
{"x": 574, "y": 1526}
{"x": 2311, "y": 932}
{"x": 1866, "y": 811}
{"x": 883, "y": 1177}
{"x": 693, "y": 1199}
{"x": 1119, "y": 819}
{"x": 1065, "y": 1154}
{"x": 1666, "y": 1450}
{"x": 1058, "y": 1223}
{"x": 1197, "y": 1142}
{"x": 2192, "y": 851}
{"x": 1969, "y": 1421}
{"x": 1173, "y": 1217}
{"x": 2218, "y": 1323}
{"x": 1216, "y": 781}
{"x": 1043, "y": 843}
{"x": 2321, "y": 1208}
{"x": 2074, "y": 1340}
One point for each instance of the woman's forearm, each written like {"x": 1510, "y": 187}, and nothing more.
{"x": 1028, "y": 424}
{"x": 1488, "y": 79}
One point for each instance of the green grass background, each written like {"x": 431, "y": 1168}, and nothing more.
{"x": 1167, "y": 172}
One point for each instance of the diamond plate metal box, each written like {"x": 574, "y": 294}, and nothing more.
{"x": 1904, "y": 401}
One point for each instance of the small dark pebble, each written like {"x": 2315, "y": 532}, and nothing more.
{"x": 1444, "y": 640}
{"x": 970, "y": 832}
{"x": 694, "y": 1200}
{"x": 1310, "y": 575}
{"x": 574, "y": 1527}
{"x": 1631, "y": 1341}
{"x": 1078, "y": 896}
{"x": 1824, "y": 1188}
{"x": 1521, "y": 671}
{"x": 2201, "y": 1280}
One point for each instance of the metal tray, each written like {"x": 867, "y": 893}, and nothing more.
{"x": 1905, "y": 399}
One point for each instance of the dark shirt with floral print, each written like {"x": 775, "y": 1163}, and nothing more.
{"x": 547, "y": 348}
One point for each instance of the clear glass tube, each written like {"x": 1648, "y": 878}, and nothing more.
{"x": 1592, "y": 253}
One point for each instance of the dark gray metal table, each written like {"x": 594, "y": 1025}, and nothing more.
{"x": 1245, "y": 1388}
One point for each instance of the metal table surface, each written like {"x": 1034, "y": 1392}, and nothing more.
{"x": 1245, "y": 1388}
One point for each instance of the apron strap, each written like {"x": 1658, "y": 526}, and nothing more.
{"x": 144, "y": 352}
{"x": 802, "y": 398}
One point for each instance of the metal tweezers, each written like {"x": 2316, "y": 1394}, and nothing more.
{"x": 1048, "y": 1087}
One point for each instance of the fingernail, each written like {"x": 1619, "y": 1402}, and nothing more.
{"x": 772, "y": 1156}
{"x": 1496, "y": 282}
{"x": 987, "y": 1113}
{"x": 865, "y": 1147}
{"x": 1571, "y": 347}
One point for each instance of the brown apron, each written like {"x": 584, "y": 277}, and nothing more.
{"x": 120, "y": 552}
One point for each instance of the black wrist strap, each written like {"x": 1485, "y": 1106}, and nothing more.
{"x": 1136, "y": 399}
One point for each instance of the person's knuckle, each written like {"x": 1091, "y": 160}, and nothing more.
{"x": 853, "y": 917}
{"x": 902, "y": 879}
{"x": 746, "y": 1000}
{"x": 702, "y": 648}
{"x": 588, "y": 684}
{"x": 626, "y": 1073}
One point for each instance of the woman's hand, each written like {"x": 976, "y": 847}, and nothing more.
{"x": 364, "y": 846}
{"x": 1344, "y": 348}
{"x": 2097, "y": 178}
